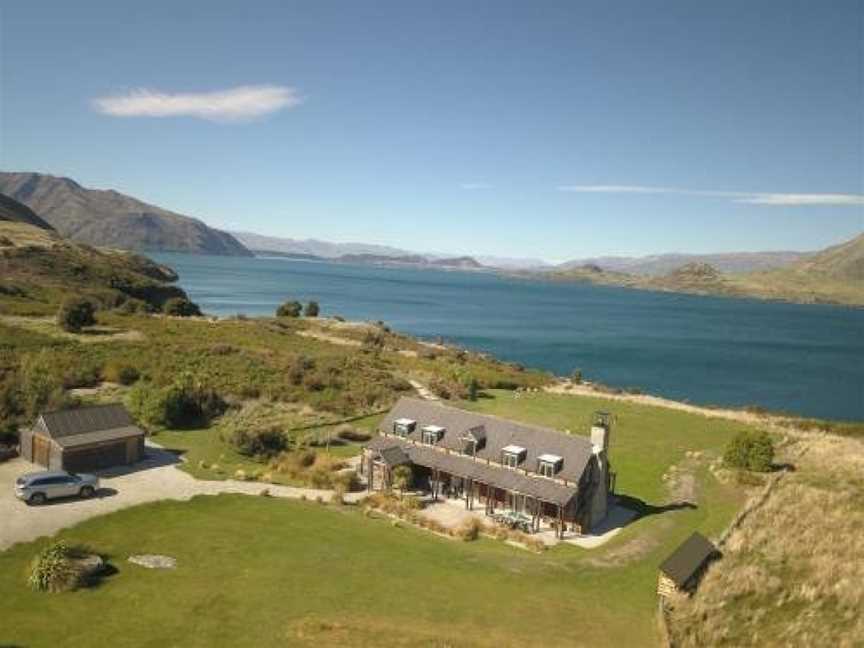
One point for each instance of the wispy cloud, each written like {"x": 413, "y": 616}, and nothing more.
{"x": 750, "y": 198}
{"x": 235, "y": 104}
{"x": 475, "y": 186}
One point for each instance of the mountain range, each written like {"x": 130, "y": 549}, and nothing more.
{"x": 114, "y": 220}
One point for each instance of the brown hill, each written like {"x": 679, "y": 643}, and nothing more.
{"x": 13, "y": 211}
{"x": 112, "y": 219}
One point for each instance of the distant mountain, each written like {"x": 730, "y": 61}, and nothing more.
{"x": 13, "y": 211}
{"x": 313, "y": 247}
{"x": 114, "y": 220}
{"x": 833, "y": 276}
{"x": 661, "y": 264}
{"x": 461, "y": 263}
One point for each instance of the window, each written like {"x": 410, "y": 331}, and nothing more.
{"x": 432, "y": 434}
{"x": 510, "y": 460}
{"x": 549, "y": 464}
{"x": 470, "y": 447}
{"x": 403, "y": 427}
{"x": 547, "y": 469}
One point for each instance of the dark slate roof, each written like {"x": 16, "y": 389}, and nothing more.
{"x": 575, "y": 450}
{"x": 86, "y": 438}
{"x": 688, "y": 558}
{"x": 468, "y": 468}
{"x": 394, "y": 456}
{"x": 87, "y": 420}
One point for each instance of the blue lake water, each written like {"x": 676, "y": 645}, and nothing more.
{"x": 803, "y": 359}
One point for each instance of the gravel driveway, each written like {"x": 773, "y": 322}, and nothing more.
{"x": 155, "y": 478}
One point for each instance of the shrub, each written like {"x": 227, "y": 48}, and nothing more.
{"x": 75, "y": 313}
{"x": 469, "y": 530}
{"x": 54, "y": 569}
{"x": 751, "y": 451}
{"x": 187, "y": 403}
{"x": 263, "y": 442}
{"x": 181, "y": 307}
{"x": 134, "y": 306}
{"x": 576, "y": 377}
{"x": 289, "y": 309}
{"x": 348, "y": 433}
{"x": 240, "y": 475}
{"x": 312, "y": 309}
{"x": 123, "y": 374}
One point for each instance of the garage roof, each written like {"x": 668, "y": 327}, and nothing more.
{"x": 76, "y": 440}
{"x": 84, "y": 420}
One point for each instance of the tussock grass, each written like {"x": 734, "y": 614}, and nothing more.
{"x": 792, "y": 574}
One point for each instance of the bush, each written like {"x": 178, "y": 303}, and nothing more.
{"x": 349, "y": 433}
{"x": 469, "y": 530}
{"x": 181, "y": 307}
{"x": 576, "y": 377}
{"x": 265, "y": 442}
{"x": 75, "y": 313}
{"x": 134, "y": 306}
{"x": 123, "y": 374}
{"x": 312, "y": 309}
{"x": 751, "y": 451}
{"x": 289, "y": 309}
{"x": 54, "y": 569}
{"x": 186, "y": 404}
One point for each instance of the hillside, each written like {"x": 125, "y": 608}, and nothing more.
{"x": 13, "y": 211}
{"x": 313, "y": 247}
{"x": 111, "y": 219}
{"x": 833, "y": 276}
{"x": 39, "y": 268}
{"x": 657, "y": 265}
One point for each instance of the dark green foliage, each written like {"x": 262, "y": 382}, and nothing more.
{"x": 75, "y": 313}
{"x": 576, "y": 376}
{"x": 751, "y": 451}
{"x": 121, "y": 373}
{"x": 187, "y": 403}
{"x": 473, "y": 389}
{"x": 265, "y": 442}
{"x": 181, "y": 307}
{"x": 289, "y": 309}
{"x": 312, "y": 309}
{"x": 133, "y": 306}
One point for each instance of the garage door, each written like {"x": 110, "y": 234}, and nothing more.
{"x": 95, "y": 458}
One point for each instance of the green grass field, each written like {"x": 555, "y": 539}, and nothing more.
{"x": 259, "y": 571}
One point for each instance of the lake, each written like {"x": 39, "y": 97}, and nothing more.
{"x": 808, "y": 360}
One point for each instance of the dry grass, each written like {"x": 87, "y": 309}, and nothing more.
{"x": 792, "y": 574}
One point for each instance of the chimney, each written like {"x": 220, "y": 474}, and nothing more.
{"x": 600, "y": 437}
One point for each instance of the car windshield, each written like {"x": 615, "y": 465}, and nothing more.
{"x": 75, "y": 476}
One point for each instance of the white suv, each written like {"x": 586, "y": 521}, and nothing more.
{"x": 38, "y": 487}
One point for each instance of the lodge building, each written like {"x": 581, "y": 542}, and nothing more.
{"x": 556, "y": 478}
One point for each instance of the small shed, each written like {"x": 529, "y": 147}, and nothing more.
{"x": 82, "y": 439}
{"x": 683, "y": 569}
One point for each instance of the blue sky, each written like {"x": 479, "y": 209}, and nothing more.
{"x": 542, "y": 129}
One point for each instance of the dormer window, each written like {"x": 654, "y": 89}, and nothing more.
{"x": 432, "y": 434}
{"x": 512, "y": 455}
{"x": 548, "y": 465}
{"x": 404, "y": 426}
{"x": 473, "y": 440}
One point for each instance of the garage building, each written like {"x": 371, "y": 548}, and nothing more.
{"x": 84, "y": 439}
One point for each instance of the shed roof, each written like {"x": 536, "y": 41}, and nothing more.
{"x": 688, "y": 558}
{"x": 394, "y": 456}
{"x": 86, "y": 438}
{"x": 83, "y": 420}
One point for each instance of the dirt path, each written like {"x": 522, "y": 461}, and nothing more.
{"x": 156, "y": 478}
{"x": 423, "y": 391}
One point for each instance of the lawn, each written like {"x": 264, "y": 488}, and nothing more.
{"x": 264, "y": 572}
{"x": 207, "y": 446}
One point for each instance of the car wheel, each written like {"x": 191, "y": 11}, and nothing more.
{"x": 37, "y": 498}
{"x": 87, "y": 492}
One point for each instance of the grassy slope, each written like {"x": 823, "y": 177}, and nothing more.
{"x": 262, "y": 572}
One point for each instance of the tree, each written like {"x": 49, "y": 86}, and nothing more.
{"x": 75, "y": 313}
{"x": 289, "y": 309}
{"x": 312, "y": 309}
{"x": 751, "y": 451}
{"x": 473, "y": 389}
{"x": 402, "y": 478}
{"x": 181, "y": 307}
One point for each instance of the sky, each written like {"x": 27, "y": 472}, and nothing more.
{"x": 552, "y": 130}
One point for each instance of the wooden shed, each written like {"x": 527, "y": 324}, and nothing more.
{"x": 683, "y": 569}
{"x": 82, "y": 439}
